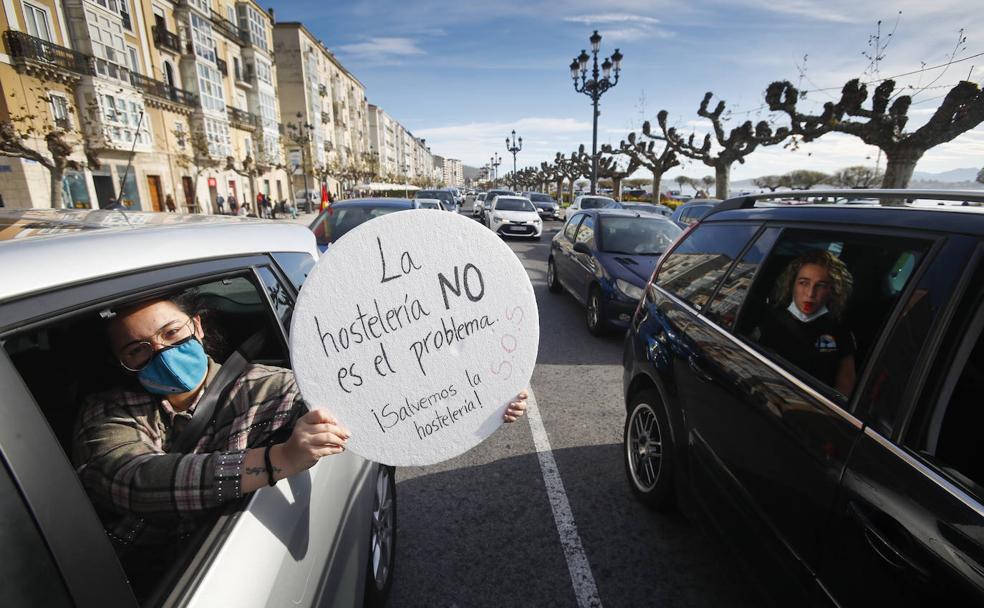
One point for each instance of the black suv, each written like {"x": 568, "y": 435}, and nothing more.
{"x": 810, "y": 379}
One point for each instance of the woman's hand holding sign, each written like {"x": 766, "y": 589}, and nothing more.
{"x": 316, "y": 434}
{"x": 517, "y": 407}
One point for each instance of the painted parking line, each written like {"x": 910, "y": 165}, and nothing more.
{"x": 583, "y": 580}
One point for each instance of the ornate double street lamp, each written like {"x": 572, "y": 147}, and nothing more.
{"x": 594, "y": 87}
{"x": 495, "y": 161}
{"x": 514, "y": 148}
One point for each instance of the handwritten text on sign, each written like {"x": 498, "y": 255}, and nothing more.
{"x": 415, "y": 331}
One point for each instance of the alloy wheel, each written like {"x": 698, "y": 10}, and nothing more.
{"x": 383, "y": 527}
{"x": 644, "y": 447}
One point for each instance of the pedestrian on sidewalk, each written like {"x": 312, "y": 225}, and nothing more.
{"x": 233, "y": 205}
{"x": 169, "y": 203}
{"x": 220, "y": 203}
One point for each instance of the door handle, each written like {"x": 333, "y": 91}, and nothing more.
{"x": 884, "y": 548}
{"x": 694, "y": 361}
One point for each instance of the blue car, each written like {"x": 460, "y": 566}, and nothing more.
{"x": 332, "y": 223}
{"x": 604, "y": 258}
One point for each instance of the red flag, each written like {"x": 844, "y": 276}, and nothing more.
{"x": 324, "y": 196}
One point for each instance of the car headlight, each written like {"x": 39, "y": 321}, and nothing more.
{"x": 629, "y": 289}
{"x": 497, "y": 217}
{"x": 536, "y": 221}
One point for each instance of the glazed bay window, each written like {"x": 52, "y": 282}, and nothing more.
{"x": 271, "y": 146}
{"x": 210, "y": 88}
{"x": 219, "y": 142}
{"x": 263, "y": 71}
{"x": 204, "y": 6}
{"x": 268, "y": 110}
{"x": 107, "y": 45}
{"x": 254, "y": 22}
{"x": 122, "y": 121}
{"x": 204, "y": 42}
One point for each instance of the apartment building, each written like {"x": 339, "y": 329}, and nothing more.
{"x": 453, "y": 172}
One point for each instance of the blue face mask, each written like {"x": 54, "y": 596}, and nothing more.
{"x": 176, "y": 369}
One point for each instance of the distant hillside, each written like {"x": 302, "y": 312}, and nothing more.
{"x": 953, "y": 175}
{"x": 955, "y": 179}
{"x": 471, "y": 173}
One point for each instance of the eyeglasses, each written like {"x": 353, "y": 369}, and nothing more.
{"x": 137, "y": 355}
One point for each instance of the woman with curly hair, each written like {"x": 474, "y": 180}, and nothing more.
{"x": 806, "y": 328}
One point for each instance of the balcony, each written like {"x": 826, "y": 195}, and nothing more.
{"x": 37, "y": 57}
{"x": 164, "y": 39}
{"x": 242, "y": 119}
{"x": 244, "y": 77}
{"x": 164, "y": 91}
{"x": 223, "y": 66}
{"x": 227, "y": 28}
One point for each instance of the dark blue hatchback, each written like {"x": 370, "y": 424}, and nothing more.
{"x": 332, "y": 223}
{"x": 604, "y": 257}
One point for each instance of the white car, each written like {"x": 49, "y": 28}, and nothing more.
{"x": 324, "y": 537}
{"x": 477, "y": 204}
{"x": 591, "y": 201}
{"x": 514, "y": 216}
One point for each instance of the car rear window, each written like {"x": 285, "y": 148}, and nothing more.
{"x": 513, "y": 204}
{"x": 335, "y": 222}
{"x": 692, "y": 271}
{"x": 636, "y": 236}
{"x": 541, "y": 198}
{"x": 591, "y": 202}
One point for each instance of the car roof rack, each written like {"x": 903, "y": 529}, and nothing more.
{"x": 747, "y": 201}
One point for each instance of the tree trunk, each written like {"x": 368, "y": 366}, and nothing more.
{"x": 901, "y": 164}
{"x": 657, "y": 178}
{"x": 57, "y": 174}
{"x": 571, "y": 189}
{"x": 617, "y": 188}
{"x": 560, "y": 190}
{"x": 722, "y": 174}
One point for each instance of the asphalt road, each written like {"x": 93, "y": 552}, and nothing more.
{"x": 479, "y": 530}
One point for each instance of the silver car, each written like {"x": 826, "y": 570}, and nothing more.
{"x": 323, "y": 537}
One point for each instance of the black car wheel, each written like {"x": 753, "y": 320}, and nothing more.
{"x": 595, "y": 313}
{"x": 553, "y": 285}
{"x": 382, "y": 539}
{"x": 649, "y": 451}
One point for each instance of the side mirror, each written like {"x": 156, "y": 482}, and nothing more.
{"x": 582, "y": 248}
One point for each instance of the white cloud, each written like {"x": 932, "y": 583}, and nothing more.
{"x": 381, "y": 49}
{"x": 633, "y": 27}
{"x": 614, "y": 18}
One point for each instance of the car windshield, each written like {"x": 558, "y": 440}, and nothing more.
{"x": 636, "y": 235}
{"x": 597, "y": 202}
{"x": 334, "y": 222}
{"x": 430, "y": 205}
{"x": 438, "y": 194}
{"x": 513, "y": 204}
{"x": 541, "y": 198}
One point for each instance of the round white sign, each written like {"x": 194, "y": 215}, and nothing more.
{"x": 415, "y": 331}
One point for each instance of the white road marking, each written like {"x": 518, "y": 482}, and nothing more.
{"x": 577, "y": 562}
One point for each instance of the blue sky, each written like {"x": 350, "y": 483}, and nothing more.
{"x": 464, "y": 74}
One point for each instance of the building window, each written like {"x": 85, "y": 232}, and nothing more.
{"x": 60, "y": 112}
{"x": 217, "y": 134}
{"x": 134, "y": 61}
{"x": 125, "y": 15}
{"x": 37, "y": 22}
{"x": 201, "y": 33}
{"x": 254, "y": 22}
{"x": 204, "y": 6}
{"x": 263, "y": 72}
{"x": 123, "y": 121}
{"x": 210, "y": 88}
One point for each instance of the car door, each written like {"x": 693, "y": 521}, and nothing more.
{"x": 583, "y": 265}
{"x": 908, "y": 526}
{"x": 564, "y": 251}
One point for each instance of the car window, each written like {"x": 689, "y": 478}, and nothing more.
{"x": 336, "y": 221}
{"x": 729, "y": 297}
{"x": 296, "y": 266}
{"x": 513, "y": 204}
{"x": 693, "y": 269}
{"x": 232, "y": 308}
{"x": 28, "y": 574}
{"x": 571, "y": 228}
{"x": 586, "y": 232}
{"x": 592, "y": 202}
{"x": 821, "y": 299}
{"x": 636, "y": 236}
{"x": 280, "y": 298}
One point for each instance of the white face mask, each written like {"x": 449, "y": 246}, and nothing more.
{"x": 802, "y": 316}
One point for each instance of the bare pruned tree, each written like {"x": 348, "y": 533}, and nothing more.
{"x": 883, "y": 124}
{"x": 733, "y": 147}
{"x": 610, "y": 168}
{"x": 647, "y": 154}
{"x": 769, "y": 182}
{"x": 804, "y": 179}
{"x": 856, "y": 177}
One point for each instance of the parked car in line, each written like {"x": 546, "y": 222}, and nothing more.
{"x": 430, "y": 203}
{"x": 487, "y": 203}
{"x": 808, "y": 378}
{"x": 649, "y": 208}
{"x": 545, "y": 205}
{"x": 335, "y": 221}
{"x": 478, "y": 204}
{"x": 691, "y": 211}
{"x": 512, "y": 215}
{"x": 591, "y": 201}
{"x": 604, "y": 257}
{"x": 322, "y": 537}
{"x": 446, "y": 196}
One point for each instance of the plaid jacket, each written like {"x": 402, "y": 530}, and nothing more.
{"x": 145, "y": 494}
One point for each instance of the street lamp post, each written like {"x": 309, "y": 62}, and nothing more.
{"x": 594, "y": 87}
{"x": 495, "y": 161}
{"x": 514, "y": 148}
